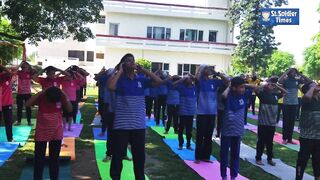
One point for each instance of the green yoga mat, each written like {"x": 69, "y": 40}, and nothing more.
{"x": 20, "y": 134}
{"x": 104, "y": 168}
{"x": 64, "y": 172}
{"x": 160, "y": 131}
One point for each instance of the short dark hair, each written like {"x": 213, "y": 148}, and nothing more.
{"x": 123, "y": 59}
{"x": 306, "y": 87}
{"x": 50, "y": 69}
{"x": 273, "y": 79}
{"x": 53, "y": 94}
{"x": 237, "y": 81}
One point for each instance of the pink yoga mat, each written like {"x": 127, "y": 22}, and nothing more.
{"x": 76, "y": 130}
{"x": 209, "y": 171}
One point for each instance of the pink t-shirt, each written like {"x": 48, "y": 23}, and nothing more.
{"x": 6, "y": 86}
{"x": 47, "y": 83}
{"x": 81, "y": 82}
{"x": 49, "y": 124}
{"x": 24, "y": 82}
{"x": 70, "y": 89}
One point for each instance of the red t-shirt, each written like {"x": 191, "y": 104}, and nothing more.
{"x": 6, "y": 85}
{"x": 24, "y": 82}
{"x": 49, "y": 124}
{"x": 81, "y": 82}
{"x": 70, "y": 88}
{"x": 47, "y": 83}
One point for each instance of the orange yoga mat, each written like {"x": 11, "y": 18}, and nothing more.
{"x": 68, "y": 150}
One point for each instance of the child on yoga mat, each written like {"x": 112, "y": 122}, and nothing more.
{"x": 187, "y": 108}
{"x": 309, "y": 130}
{"x": 268, "y": 95}
{"x": 6, "y": 100}
{"x": 233, "y": 125}
{"x": 49, "y": 129}
{"x": 51, "y": 79}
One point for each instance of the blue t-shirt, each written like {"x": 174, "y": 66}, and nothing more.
{"x": 173, "y": 96}
{"x": 233, "y": 120}
{"x": 102, "y": 85}
{"x": 188, "y": 99}
{"x": 162, "y": 90}
{"x": 130, "y": 103}
{"x": 106, "y": 96}
{"x": 153, "y": 92}
{"x": 207, "y": 100}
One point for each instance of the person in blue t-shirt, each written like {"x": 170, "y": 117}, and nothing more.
{"x": 207, "y": 110}
{"x": 232, "y": 128}
{"x": 100, "y": 91}
{"x": 187, "y": 108}
{"x": 129, "y": 123}
{"x": 173, "y": 101}
{"x": 161, "y": 100}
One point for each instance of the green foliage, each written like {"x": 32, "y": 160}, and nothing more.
{"x": 8, "y": 52}
{"x": 256, "y": 42}
{"x": 312, "y": 59}
{"x": 144, "y": 63}
{"x": 278, "y": 63}
{"x": 52, "y": 19}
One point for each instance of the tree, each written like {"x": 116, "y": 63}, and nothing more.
{"x": 278, "y": 63}
{"x": 256, "y": 42}
{"x": 51, "y": 19}
{"x": 144, "y": 63}
{"x": 9, "y": 48}
{"x": 312, "y": 59}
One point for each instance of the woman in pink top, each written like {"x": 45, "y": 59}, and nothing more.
{"x": 6, "y": 100}
{"x": 24, "y": 90}
{"x": 51, "y": 79}
{"x": 48, "y": 129}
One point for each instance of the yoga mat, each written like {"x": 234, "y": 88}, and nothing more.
{"x": 68, "y": 150}
{"x": 160, "y": 131}
{"x": 6, "y": 151}
{"x": 78, "y": 119}
{"x": 96, "y": 132}
{"x": 277, "y": 138}
{"x": 96, "y": 121}
{"x": 76, "y": 130}
{"x": 20, "y": 134}
{"x": 152, "y": 122}
{"x": 209, "y": 171}
{"x": 184, "y": 154}
{"x": 281, "y": 170}
{"x": 24, "y": 122}
{"x": 104, "y": 168}
{"x": 64, "y": 172}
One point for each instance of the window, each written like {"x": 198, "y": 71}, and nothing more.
{"x": 76, "y": 54}
{"x": 90, "y": 55}
{"x": 191, "y": 35}
{"x": 213, "y": 36}
{"x": 158, "y": 32}
{"x": 102, "y": 19}
{"x": 157, "y": 65}
{"x": 100, "y": 55}
{"x": 113, "y": 29}
{"x": 187, "y": 68}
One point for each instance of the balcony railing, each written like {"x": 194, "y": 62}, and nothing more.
{"x": 163, "y": 9}
{"x": 164, "y": 44}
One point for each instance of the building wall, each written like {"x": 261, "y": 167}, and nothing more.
{"x": 208, "y": 3}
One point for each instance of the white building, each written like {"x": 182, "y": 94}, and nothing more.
{"x": 175, "y": 37}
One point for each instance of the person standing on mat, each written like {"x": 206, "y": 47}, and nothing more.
{"x": 161, "y": 100}
{"x": 268, "y": 95}
{"x": 309, "y": 131}
{"x": 232, "y": 128}
{"x": 6, "y": 100}
{"x": 187, "y": 108}
{"x": 51, "y": 102}
{"x": 206, "y": 110}
{"x": 100, "y": 91}
{"x": 24, "y": 90}
{"x": 129, "y": 124}
{"x": 291, "y": 80}
{"x": 173, "y": 101}
{"x": 220, "y": 109}
{"x": 253, "y": 80}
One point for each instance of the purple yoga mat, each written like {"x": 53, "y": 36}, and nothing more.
{"x": 76, "y": 130}
{"x": 209, "y": 171}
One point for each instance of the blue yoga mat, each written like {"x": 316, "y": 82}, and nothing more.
{"x": 96, "y": 132}
{"x": 184, "y": 154}
{"x": 64, "y": 172}
{"x": 152, "y": 122}
{"x": 6, "y": 151}
{"x": 78, "y": 119}
{"x": 20, "y": 134}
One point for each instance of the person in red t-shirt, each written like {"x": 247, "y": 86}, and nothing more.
{"x": 69, "y": 87}
{"x": 83, "y": 88}
{"x": 24, "y": 90}
{"x": 49, "y": 128}
{"x": 51, "y": 79}
{"x": 6, "y": 100}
